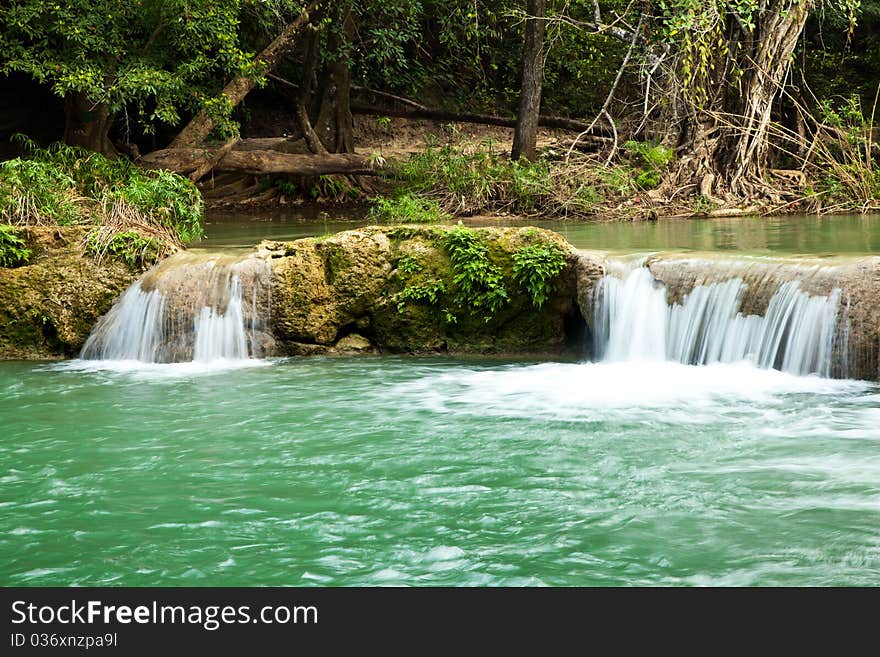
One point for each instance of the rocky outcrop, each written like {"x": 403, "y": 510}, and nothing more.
{"x": 49, "y": 305}
{"x": 396, "y": 289}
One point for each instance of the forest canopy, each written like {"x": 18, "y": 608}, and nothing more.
{"x": 736, "y": 90}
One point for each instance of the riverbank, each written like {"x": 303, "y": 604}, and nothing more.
{"x": 428, "y": 170}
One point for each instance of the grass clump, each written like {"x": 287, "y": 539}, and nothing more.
{"x": 535, "y": 267}
{"x": 64, "y": 186}
{"x": 846, "y": 171}
{"x": 466, "y": 181}
{"x": 13, "y": 252}
{"x": 407, "y": 208}
{"x": 129, "y": 246}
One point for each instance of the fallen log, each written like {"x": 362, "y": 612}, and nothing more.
{"x": 188, "y": 160}
{"x": 483, "y": 119}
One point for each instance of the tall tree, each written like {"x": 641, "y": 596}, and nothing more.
{"x": 106, "y": 56}
{"x": 728, "y": 67}
{"x": 525, "y": 136}
{"x": 198, "y": 129}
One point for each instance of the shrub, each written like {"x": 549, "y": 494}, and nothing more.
{"x": 12, "y": 248}
{"x": 407, "y": 209}
{"x": 535, "y": 267}
{"x": 62, "y": 185}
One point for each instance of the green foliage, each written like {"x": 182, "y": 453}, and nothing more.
{"x": 420, "y": 288}
{"x": 650, "y": 159}
{"x": 407, "y": 209}
{"x": 702, "y": 204}
{"x": 848, "y": 172}
{"x": 428, "y": 291}
{"x": 129, "y": 246}
{"x": 535, "y": 268}
{"x": 650, "y": 153}
{"x": 160, "y": 56}
{"x": 281, "y": 183}
{"x": 13, "y": 252}
{"x": 62, "y": 185}
{"x": 409, "y": 265}
{"x": 464, "y": 181}
{"x": 333, "y": 187}
{"x": 479, "y": 283}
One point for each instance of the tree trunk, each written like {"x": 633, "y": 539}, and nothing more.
{"x": 197, "y": 130}
{"x": 525, "y": 136}
{"x": 725, "y": 127}
{"x": 310, "y": 65}
{"x": 260, "y": 162}
{"x": 335, "y": 125}
{"x": 87, "y": 124}
{"x": 775, "y": 44}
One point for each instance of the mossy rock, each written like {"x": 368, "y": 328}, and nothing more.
{"x": 49, "y": 306}
{"x": 357, "y": 280}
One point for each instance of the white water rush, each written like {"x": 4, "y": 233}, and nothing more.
{"x": 198, "y": 308}
{"x": 632, "y": 320}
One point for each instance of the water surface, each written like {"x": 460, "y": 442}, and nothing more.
{"x": 781, "y": 235}
{"x": 436, "y": 472}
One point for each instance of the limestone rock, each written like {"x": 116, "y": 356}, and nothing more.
{"x": 356, "y": 281}
{"x": 48, "y": 306}
{"x": 354, "y": 344}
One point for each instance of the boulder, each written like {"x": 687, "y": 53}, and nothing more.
{"x": 49, "y": 305}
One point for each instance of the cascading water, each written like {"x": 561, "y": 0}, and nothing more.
{"x": 632, "y": 320}
{"x": 189, "y": 308}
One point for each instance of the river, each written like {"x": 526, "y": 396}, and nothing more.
{"x": 434, "y": 471}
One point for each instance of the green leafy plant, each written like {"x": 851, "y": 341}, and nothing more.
{"x": 407, "y": 209}
{"x": 63, "y": 185}
{"x": 479, "y": 283}
{"x": 408, "y": 265}
{"x": 535, "y": 268}
{"x": 428, "y": 291}
{"x": 13, "y": 252}
{"x": 650, "y": 160}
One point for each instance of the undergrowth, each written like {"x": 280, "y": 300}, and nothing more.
{"x": 470, "y": 179}
{"x": 477, "y": 284}
{"x": 407, "y": 209}
{"x": 13, "y": 251}
{"x": 846, "y": 169}
{"x": 64, "y": 186}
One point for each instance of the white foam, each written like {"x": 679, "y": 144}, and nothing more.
{"x": 150, "y": 371}
{"x": 578, "y": 391}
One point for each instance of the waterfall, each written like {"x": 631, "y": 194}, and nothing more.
{"x": 189, "y": 308}
{"x": 632, "y": 320}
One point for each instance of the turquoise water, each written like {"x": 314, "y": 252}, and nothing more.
{"x": 436, "y": 472}
{"x": 782, "y": 235}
